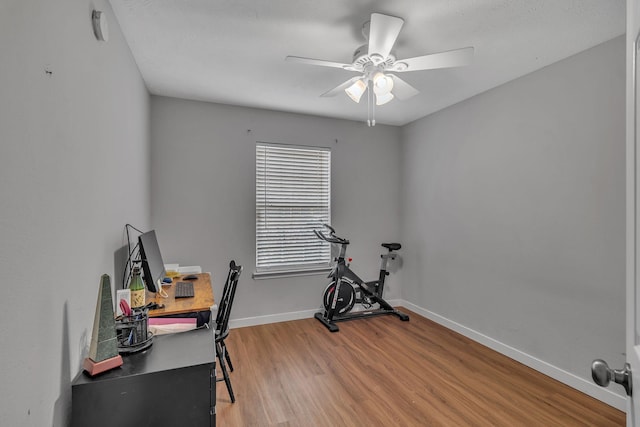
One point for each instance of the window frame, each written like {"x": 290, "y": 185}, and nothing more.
{"x": 303, "y": 268}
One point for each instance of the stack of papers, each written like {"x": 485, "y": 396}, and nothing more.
{"x": 170, "y": 325}
{"x": 190, "y": 269}
{"x": 174, "y": 270}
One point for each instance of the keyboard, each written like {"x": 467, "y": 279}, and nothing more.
{"x": 184, "y": 290}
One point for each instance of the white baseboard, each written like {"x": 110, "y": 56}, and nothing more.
{"x": 272, "y": 318}
{"x": 284, "y": 317}
{"x": 585, "y": 386}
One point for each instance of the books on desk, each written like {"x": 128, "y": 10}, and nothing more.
{"x": 170, "y": 325}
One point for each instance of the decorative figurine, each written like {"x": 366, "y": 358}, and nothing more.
{"x": 103, "y": 352}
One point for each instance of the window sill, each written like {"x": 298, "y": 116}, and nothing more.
{"x": 261, "y": 275}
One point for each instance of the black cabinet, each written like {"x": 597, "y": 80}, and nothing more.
{"x": 170, "y": 384}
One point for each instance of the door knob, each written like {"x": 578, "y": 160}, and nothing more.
{"x": 602, "y": 375}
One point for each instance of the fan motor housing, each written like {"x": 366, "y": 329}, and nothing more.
{"x": 361, "y": 59}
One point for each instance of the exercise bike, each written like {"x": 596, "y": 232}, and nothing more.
{"x": 346, "y": 289}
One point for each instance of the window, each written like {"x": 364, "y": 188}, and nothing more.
{"x": 293, "y": 193}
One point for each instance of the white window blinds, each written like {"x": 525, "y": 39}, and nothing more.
{"x": 293, "y": 193}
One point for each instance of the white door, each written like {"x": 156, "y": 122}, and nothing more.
{"x": 629, "y": 375}
{"x": 633, "y": 210}
{"x": 633, "y": 220}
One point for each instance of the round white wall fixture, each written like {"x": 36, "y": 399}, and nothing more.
{"x": 100, "y": 27}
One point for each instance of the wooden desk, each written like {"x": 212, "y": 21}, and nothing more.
{"x": 201, "y": 301}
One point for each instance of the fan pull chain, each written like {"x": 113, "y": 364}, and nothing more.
{"x": 371, "y": 106}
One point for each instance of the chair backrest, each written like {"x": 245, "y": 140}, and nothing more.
{"x": 226, "y": 302}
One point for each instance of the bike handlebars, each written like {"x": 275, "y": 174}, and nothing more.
{"x": 332, "y": 237}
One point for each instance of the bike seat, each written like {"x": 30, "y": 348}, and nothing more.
{"x": 392, "y": 246}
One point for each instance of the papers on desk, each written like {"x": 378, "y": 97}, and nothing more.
{"x": 190, "y": 269}
{"x": 175, "y": 269}
{"x": 170, "y": 325}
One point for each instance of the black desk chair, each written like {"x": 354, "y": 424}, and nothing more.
{"x": 222, "y": 324}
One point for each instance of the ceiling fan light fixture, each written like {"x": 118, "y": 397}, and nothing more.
{"x": 383, "y": 99}
{"x": 382, "y": 84}
{"x": 356, "y": 90}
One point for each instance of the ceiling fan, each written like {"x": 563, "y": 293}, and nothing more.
{"x": 375, "y": 61}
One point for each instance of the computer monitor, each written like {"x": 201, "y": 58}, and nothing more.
{"x": 152, "y": 264}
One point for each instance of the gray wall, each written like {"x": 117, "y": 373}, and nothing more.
{"x": 74, "y": 168}
{"x": 203, "y": 194}
{"x": 513, "y": 212}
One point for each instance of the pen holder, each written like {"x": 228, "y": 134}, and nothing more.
{"x": 133, "y": 333}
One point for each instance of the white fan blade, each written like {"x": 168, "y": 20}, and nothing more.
{"x": 451, "y": 58}
{"x": 401, "y": 89}
{"x": 320, "y": 62}
{"x": 383, "y": 32}
{"x": 341, "y": 87}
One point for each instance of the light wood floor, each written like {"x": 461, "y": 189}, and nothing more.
{"x": 384, "y": 372}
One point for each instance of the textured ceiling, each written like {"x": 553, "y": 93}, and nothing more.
{"x": 232, "y": 51}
